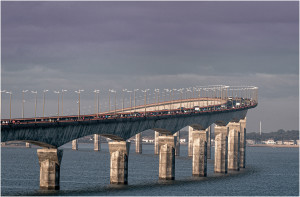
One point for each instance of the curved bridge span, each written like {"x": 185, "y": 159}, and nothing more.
{"x": 55, "y": 134}
{"x": 166, "y": 118}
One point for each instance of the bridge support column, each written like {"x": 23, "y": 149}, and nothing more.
{"x": 119, "y": 152}
{"x": 190, "y": 142}
{"x": 221, "y": 149}
{"x": 138, "y": 143}
{"x": 243, "y": 143}
{"x": 233, "y": 150}
{"x": 200, "y": 153}
{"x": 167, "y": 157}
{"x": 156, "y": 146}
{"x": 49, "y": 160}
{"x": 28, "y": 145}
{"x": 97, "y": 142}
{"x": 177, "y": 145}
{"x": 75, "y": 144}
{"x": 208, "y": 142}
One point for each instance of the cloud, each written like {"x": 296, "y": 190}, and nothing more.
{"x": 102, "y": 45}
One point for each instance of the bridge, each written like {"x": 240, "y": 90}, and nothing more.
{"x": 226, "y": 108}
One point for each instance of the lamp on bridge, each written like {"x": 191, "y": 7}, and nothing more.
{"x": 43, "y": 102}
{"x": 113, "y": 91}
{"x": 57, "y": 92}
{"x": 78, "y": 92}
{"x": 181, "y": 92}
{"x": 124, "y": 90}
{"x": 97, "y": 102}
{"x": 110, "y": 90}
{"x": 10, "y": 95}
{"x": 156, "y": 101}
{"x": 23, "y": 101}
{"x": 145, "y": 91}
{"x": 165, "y": 96}
{"x": 35, "y": 92}
{"x": 134, "y": 98}
{"x": 62, "y": 101}
{"x": 130, "y": 101}
{"x": 187, "y": 96}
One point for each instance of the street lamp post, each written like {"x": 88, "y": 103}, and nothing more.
{"x": 62, "y": 101}
{"x": 23, "y": 100}
{"x": 57, "y": 92}
{"x": 10, "y": 95}
{"x": 188, "y": 90}
{"x": 113, "y": 91}
{"x": 156, "y": 101}
{"x": 35, "y": 92}
{"x": 109, "y": 91}
{"x": 170, "y": 95}
{"x": 165, "y": 97}
{"x": 78, "y": 92}
{"x": 123, "y": 99}
{"x": 97, "y": 102}
{"x": 145, "y": 103}
{"x": 173, "y": 97}
{"x": 130, "y": 101}
{"x": 181, "y": 91}
{"x": 134, "y": 104}
{"x": 44, "y": 91}
{"x": 115, "y": 102}
{"x": 199, "y": 96}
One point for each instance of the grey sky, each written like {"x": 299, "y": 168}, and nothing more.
{"x": 71, "y": 45}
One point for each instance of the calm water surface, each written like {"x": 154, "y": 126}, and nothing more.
{"x": 268, "y": 172}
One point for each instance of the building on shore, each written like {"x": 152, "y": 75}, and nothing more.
{"x": 250, "y": 142}
{"x": 289, "y": 142}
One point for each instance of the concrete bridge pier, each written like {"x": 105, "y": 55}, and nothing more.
{"x": 221, "y": 149}
{"x": 167, "y": 157}
{"x": 177, "y": 145}
{"x": 156, "y": 146}
{"x": 138, "y": 143}
{"x": 233, "y": 145}
{"x": 200, "y": 153}
{"x": 75, "y": 144}
{"x": 243, "y": 143}
{"x": 234, "y": 150}
{"x": 97, "y": 142}
{"x": 28, "y": 145}
{"x": 208, "y": 142}
{"x": 49, "y": 160}
{"x": 190, "y": 142}
{"x": 119, "y": 152}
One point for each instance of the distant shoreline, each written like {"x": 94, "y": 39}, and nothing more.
{"x": 274, "y": 145}
{"x": 184, "y": 144}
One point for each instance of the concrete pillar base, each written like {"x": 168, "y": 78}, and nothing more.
{"x": 199, "y": 155}
{"x": 221, "y": 149}
{"x": 209, "y": 142}
{"x": 234, "y": 150}
{"x": 167, "y": 157}
{"x": 97, "y": 142}
{"x": 138, "y": 143}
{"x": 49, "y": 160}
{"x": 28, "y": 145}
{"x": 75, "y": 144}
{"x": 177, "y": 145}
{"x": 156, "y": 147}
{"x": 190, "y": 142}
{"x": 119, "y": 152}
{"x": 243, "y": 143}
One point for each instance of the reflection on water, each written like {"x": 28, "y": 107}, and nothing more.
{"x": 269, "y": 171}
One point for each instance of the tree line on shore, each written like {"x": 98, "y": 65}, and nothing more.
{"x": 276, "y": 135}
